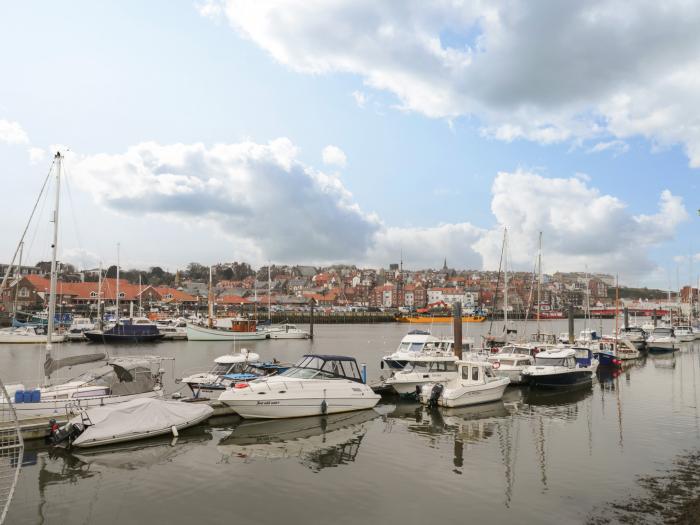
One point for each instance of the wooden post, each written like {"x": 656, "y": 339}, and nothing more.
{"x": 457, "y": 329}
{"x": 653, "y": 317}
{"x": 627, "y": 318}
{"x": 571, "y": 324}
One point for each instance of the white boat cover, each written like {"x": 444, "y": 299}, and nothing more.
{"x": 138, "y": 419}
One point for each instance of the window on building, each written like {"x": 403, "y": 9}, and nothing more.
{"x": 23, "y": 292}
{"x": 122, "y": 295}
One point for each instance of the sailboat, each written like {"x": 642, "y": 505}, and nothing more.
{"x": 493, "y": 342}
{"x": 118, "y": 380}
{"x": 239, "y": 329}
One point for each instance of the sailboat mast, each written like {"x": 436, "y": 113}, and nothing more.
{"x": 539, "y": 286}
{"x": 54, "y": 252}
{"x": 18, "y": 274}
{"x": 140, "y": 306}
{"x": 211, "y": 302}
{"x": 269, "y": 292}
{"x": 99, "y": 296}
{"x": 117, "y": 296}
{"x": 505, "y": 280}
{"x": 617, "y": 301}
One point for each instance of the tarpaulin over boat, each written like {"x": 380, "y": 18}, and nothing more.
{"x": 138, "y": 419}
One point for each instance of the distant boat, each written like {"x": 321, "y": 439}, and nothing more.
{"x": 424, "y": 319}
{"x": 138, "y": 330}
{"x": 27, "y": 335}
{"x": 241, "y": 330}
{"x": 285, "y": 331}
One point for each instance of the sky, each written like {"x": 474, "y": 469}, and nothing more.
{"x": 356, "y": 132}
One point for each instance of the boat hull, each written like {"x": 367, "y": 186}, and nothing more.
{"x": 463, "y": 397}
{"x": 99, "y": 337}
{"x": 201, "y": 333}
{"x": 297, "y": 407}
{"x": 29, "y": 339}
{"x": 661, "y": 347}
{"x": 561, "y": 380}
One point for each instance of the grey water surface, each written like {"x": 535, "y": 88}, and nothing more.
{"x": 537, "y": 457}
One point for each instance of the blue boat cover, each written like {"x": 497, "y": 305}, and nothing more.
{"x": 240, "y": 377}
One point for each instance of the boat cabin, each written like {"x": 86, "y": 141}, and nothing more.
{"x": 475, "y": 372}
{"x": 663, "y": 331}
{"x": 565, "y": 357}
{"x": 318, "y": 366}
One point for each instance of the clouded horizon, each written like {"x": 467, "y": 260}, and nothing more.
{"x": 354, "y": 132}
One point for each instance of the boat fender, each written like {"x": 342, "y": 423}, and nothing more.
{"x": 496, "y": 365}
{"x": 240, "y": 385}
{"x": 324, "y": 407}
{"x": 174, "y": 430}
{"x": 381, "y": 365}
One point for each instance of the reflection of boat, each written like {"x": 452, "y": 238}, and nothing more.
{"x": 316, "y": 385}
{"x": 665, "y": 360}
{"x": 474, "y": 383}
{"x": 558, "y": 399}
{"x": 321, "y": 441}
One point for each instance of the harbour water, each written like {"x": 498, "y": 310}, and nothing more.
{"x": 584, "y": 456}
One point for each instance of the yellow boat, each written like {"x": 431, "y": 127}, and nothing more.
{"x": 435, "y": 320}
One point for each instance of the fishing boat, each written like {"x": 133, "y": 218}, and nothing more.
{"x": 135, "y": 330}
{"x": 240, "y": 329}
{"x": 662, "y": 339}
{"x": 130, "y": 421}
{"x": 474, "y": 383}
{"x": 316, "y": 385}
{"x": 426, "y": 367}
{"x": 28, "y": 335}
{"x": 562, "y": 367}
{"x": 118, "y": 380}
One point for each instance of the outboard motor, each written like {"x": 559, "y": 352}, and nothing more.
{"x": 65, "y": 435}
{"x": 435, "y": 394}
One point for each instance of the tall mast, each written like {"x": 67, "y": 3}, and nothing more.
{"x": 539, "y": 285}
{"x": 140, "y": 307}
{"x": 505, "y": 280}
{"x": 211, "y": 302}
{"x": 269, "y": 291}
{"x": 18, "y": 273}
{"x": 117, "y": 296}
{"x": 617, "y": 299}
{"x": 52, "y": 294}
{"x": 99, "y": 296}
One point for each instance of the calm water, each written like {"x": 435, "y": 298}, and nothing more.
{"x": 535, "y": 458}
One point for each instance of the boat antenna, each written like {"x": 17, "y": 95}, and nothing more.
{"x": 269, "y": 292}
{"x": 117, "y": 296}
{"x": 211, "y": 302}
{"x": 539, "y": 286}
{"x": 54, "y": 251}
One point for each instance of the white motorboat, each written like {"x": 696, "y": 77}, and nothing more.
{"x": 316, "y": 385}
{"x": 417, "y": 341}
{"x": 684, "y": 333}
{"x": 285, "y": 331}
{"x": 563, "y": 338}
{"x": 512, "y": 359}
{"x": 136, "y": 419}
{"x": 696, "y": 331}
{"x": 118, "y": 380}
{"x": 662, "y": 339}
{"x": 28, "y": 334}
{"x": 231, "y": 329}
{"x": 634, "y": 334}
{"x": 426, "y": 367}
{"x": 77, "y": 329}
{"x": 562, "y": 367}
{"x": 224, "y": 365}
{"x": 172, "y": 329}
{"x": 474, "y": 383}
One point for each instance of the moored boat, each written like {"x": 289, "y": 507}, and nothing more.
{"x": 316, "y": 385}
{"x": 239, "y": 329}
{"x": 137, "y": 330}
{"x": 426, "y": 367}
{"x": 474, "y": 383}
{"x": 562, "y": 367}
{"x": 662, "y": 339}
{"x": 27, "y": 335}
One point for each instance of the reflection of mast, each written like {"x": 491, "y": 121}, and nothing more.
{"x": 619, "y": 410}
{"x": 541, "y": 453}
{"x": 505, "y": 443}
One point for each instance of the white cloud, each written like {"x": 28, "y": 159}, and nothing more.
{"x": 12, "y": 133}
{"x": 36, "y": 155}
{"x": 209, "y": 9}
{"x": 361, "y": 98}
{"x": 258, "y": 195}
{"x": 618, "y": 147}
{"x": 264, "y": 204}
{"x": 605, "y": 69}
{"x": 581, "y": 227}
{"x": 334, "y": 156}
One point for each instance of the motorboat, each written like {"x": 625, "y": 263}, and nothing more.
{"x": 130, "y": 421}
{"x": 172, "y": 329}
{"x": 562, "y": 367}
{"x": 225, "y": 364}
{"x": 417, "y": 341}
{"x": 132, "y": 330}
{"x": 684, "y": 333}
{"x": 587, "y": 336}
{"x": 77, "y": 329}
{"x": 316, "y": 385}
{"x": 474, "y": 383}
{"x": 226, "y": 329}
{"x": 662, "y": 339}
{"x": 118, "y": 380}
{"x": 634, "y": 334}
{"x": 285, "y": 331}
{"x": 426, "y": 367}
{"x": 27, "y": 334}
{"x": 612, "y": 351}
{"x": 563, "y": 338}
{"x": 512, "y": 359}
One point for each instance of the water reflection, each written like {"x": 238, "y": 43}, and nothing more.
{"x": 318, "y": 442}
